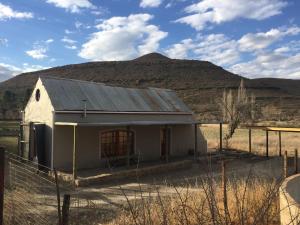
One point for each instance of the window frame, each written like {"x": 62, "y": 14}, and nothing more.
{"x": 114, "y": 130}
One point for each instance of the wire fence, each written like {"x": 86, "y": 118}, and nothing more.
{"x": 30, "y": 193}
{"x": 34, "y": 195}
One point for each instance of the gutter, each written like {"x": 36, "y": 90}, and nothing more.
{"x": 122, "y": 113}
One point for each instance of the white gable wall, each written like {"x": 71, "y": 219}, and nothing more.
{"x": 41, "y": 112}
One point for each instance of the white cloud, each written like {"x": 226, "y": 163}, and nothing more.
{"x": 73, "y": 47}
{"x": 7, "y": 71}
{"x": 216, "y": 48}
{"x": 49, "y": 41}
{"x": 282, "y": 50}
{"x": 6, "y": 12}
{"x": 290, "y": 47}
{"x": 67, "y": 31}
{"x": 121, "y": 38}
{"x": 99, "y": 11}
{"x": 70, "y": 43}
{"x": 73, "y": 6}
{"x": 257, "y": 41}
{"x": 180, "y": 50}
{"x": 40, "y": 49}
{"x": 78, "y": 24}
{"x": 270, "y": 64}
{"x": 37, "y": 53}
{"x": 172, "y": 3}
{"x": 219, "y": 11}
{"x": 68, "y": 40}
{"x": 150, "y": 3}
{"x": 268, "y": 56}
{"x": 3, "y": 41}
{"x": 30, "y": 68}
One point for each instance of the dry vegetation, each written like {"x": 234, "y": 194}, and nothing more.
{"x": 290, "y": 141}
{"x": 251, "y": 201}
{"x": 10, "y": 143}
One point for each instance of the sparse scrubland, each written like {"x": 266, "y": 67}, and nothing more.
{"x": 250, "y": 201}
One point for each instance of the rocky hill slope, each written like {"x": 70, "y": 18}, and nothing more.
{"x": 199, "y": 83}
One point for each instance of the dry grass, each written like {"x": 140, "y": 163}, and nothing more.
{"x": 10, "y": 143}
{"x": 251, "y": 201}
{"x": 239, "y": 141}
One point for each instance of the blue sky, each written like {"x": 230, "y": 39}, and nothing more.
{"x": 253, "y": 38}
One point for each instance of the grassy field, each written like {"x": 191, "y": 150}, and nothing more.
{"x": 9, "y": 142}
{"x": 9, "y": 125}
{"x": 289, "y": 141}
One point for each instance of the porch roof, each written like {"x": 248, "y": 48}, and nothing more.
{"x": 128, "y": 123}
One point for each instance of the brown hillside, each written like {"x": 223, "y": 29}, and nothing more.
{"x": 199, "y": 83}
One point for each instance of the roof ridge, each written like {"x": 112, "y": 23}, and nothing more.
{"x": 100, "y": 83}
{"x": 70, "y": 79}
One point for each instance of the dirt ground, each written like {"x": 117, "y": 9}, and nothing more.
{"x": 114, "y": 193}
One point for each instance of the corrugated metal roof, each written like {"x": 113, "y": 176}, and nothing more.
{"x": 66, "y": 94}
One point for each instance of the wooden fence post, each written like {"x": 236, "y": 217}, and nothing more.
{"x": 58, "y": 197}
{"x": 250, "y": 140}
{"x": 221, "y": 136}
{"x": 296, "y": 161}
{"x": 267, "y": 143}
{"x": 2, "y": 167}
{"x": 224, "y": 187}
{"x": 285, "y": 165}
{"x": 65, "y": 210}
{"x": 279, "y": 137}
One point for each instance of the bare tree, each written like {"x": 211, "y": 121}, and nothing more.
{"x": 237, "y": 108}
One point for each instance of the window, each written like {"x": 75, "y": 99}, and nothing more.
{"x": 37, "y": 95}
{"x": 114, "y": 143}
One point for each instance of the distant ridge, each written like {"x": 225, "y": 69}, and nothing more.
{"x": 199, "y": 83}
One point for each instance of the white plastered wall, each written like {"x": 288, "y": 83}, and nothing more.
{"x": 41, "y": 112}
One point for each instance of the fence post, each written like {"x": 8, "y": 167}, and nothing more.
{"x": 2, "y": 167}
{"x": 296, "y": 161}
{"x": 285, "y": 165}
{"x": 250, "y": 140}
{"x": 279, "y": 137}
{"x": 224, "y": 187}
{"x": 267, "y": 143}
{"x": 65, "y": 210}
{"x": 221, "y": 136}
{"x": 58, "y": 198}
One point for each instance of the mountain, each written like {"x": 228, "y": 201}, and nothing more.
{"x": 199, "y": 83}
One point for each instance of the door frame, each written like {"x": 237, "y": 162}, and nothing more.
{"x": 170, "y": 140}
